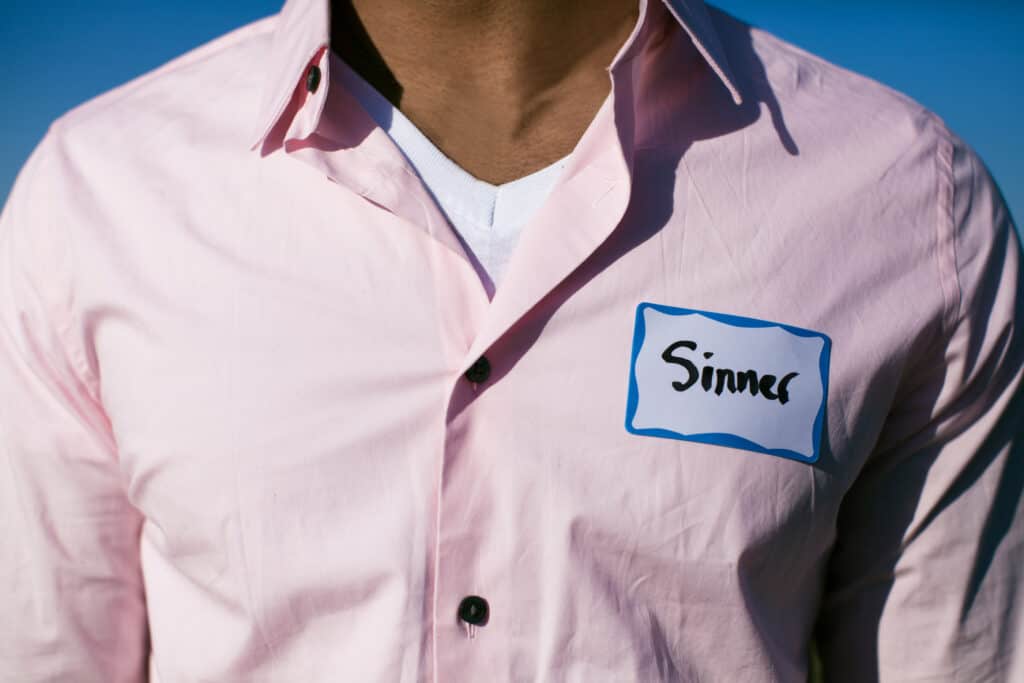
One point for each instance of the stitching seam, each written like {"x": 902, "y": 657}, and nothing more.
{"x": 946, "y": 230}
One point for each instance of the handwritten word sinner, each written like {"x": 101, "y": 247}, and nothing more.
{"x": 722, "y": 379}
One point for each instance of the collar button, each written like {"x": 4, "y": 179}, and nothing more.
{"x": 479, "y": 371}
{"x": 313, "y": 78}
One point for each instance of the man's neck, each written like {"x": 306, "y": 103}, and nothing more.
{"x": 503, "y": 87}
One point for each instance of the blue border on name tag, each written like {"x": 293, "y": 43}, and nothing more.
{"x": 716, "y": 438}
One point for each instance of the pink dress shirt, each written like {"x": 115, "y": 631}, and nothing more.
{"x": 247, "y": 434}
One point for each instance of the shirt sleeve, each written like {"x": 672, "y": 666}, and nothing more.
{"x": 72, "y": 604}
{"x": 926, "y": 577}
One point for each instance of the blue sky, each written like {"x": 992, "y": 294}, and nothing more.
{"x": 963, "y": 60}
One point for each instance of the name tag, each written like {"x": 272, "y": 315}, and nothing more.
{"x": 726, "y": 380}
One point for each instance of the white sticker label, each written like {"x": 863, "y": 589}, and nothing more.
{"x": 727, "y": 380}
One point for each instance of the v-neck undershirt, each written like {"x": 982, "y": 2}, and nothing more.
{"x": 488, "y": 218}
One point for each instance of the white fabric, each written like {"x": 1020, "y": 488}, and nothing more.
{"x": 488, "y": 218}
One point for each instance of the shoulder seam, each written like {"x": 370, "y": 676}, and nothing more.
{"x": 54, "y": 261}
{"x": 946, "y": 249}
{"x": 66, "y": 321}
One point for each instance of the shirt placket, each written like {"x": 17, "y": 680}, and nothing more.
{"x": 473, "y": 613}
{"x": 487, "y": 611}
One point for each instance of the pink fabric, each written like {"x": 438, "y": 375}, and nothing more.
{"x": 236, "y": 442}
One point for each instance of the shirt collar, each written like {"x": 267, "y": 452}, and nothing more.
{"x": 302, "y": 37}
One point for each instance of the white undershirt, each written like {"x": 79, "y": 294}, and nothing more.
{"x": 488, "y": 218}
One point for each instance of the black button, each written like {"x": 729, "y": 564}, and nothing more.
{"x": 479, "y": 371}
{"x": 313, "y": 78}
{"x": 474, "y": 610}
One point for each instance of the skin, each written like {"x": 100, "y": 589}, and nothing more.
{"x": 502, "y": 87}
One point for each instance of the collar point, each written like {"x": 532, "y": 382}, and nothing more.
{"x": 257, "y": 137}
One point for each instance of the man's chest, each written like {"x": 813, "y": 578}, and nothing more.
{"x": 337, "y": 338}
{"x": 279, "y": 387}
